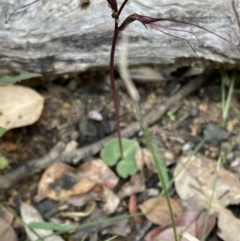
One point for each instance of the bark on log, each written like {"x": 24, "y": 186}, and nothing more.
{"x": 62, "y": 36}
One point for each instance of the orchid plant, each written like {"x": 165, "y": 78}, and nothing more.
{"x": 148, "y": 22}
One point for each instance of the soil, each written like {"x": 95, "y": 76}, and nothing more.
{"x": 70, "y": 103}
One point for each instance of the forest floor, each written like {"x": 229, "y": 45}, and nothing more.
{"x": 55, "y": 164}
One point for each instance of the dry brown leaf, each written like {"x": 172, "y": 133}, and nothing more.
{"x": 132, "y": 208}
{"x": 97, "y": 171}
{"x": 77, "y": 182}
{"x": 160, "y": 211}
{"x": 228, "y": 224}
{"x": 199, "y": 174}
{"x": 135, "y": 185}
{"x": 191, "y": 221}
{"x": 51, "y": 175}
{"x": 111, "y": 201}
{"x": 144, "y": 157}
{"x": 19, "y": 106}
{"x": 6, "y": 230}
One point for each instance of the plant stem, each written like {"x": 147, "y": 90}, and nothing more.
{"x": 113, "y": 87}
{"x": 159, "y": 169}
{"x": 121, "y": 8}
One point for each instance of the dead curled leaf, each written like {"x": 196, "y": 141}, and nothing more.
{"x": 19, "y": 106}
{"x": 160, "y": 211}
{"x": 191, "y": 221}
{"x": 29, "y": 215}
{"x": 133, "y": 209}
{"x": 228, "y": 224}
{"x": 144, "y": 157}
{"x": 199, "y": 174}
{"x": 61, "y": 181}
{"x": 135, "y": 185}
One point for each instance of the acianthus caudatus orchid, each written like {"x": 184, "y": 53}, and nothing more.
{"x": 148, "y": 22}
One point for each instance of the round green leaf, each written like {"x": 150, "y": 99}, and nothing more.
{"x": 2, "y": 131}
{"x": 126, "y": 168}
{"x": 3, "y": 162}
{"x": 111, "y": 152}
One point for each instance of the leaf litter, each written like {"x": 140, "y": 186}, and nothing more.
{"x": 63, "y": 185}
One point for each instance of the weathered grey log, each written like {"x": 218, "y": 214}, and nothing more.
{"x": 59, "y": 36}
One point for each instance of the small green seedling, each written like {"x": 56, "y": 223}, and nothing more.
{"x": 2, "y": 131}
{"x": 8, "y": 80}
{"x": 111, "y": 154}
{"x": 171, "y": 116}
{"x": 3, "y": 162}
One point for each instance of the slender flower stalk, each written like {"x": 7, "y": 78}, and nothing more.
{"x": 7, "y": 19}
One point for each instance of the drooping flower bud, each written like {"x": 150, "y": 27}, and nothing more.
{"x": 127, "y": 21}
{"x": 114, "y": 7}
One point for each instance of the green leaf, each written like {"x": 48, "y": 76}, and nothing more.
{"x": 2, "y": 131}
{"x": 171, "y": 116}
{"x": 6, "y": 80}
{"x": 3, "y": 162}
{"x": 51, "y": 226}
{"x": 126, "y": 168}
{"x": 111, "y": 154}
{"x": 163, "y": 167}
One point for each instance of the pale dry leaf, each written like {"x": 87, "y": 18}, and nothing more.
{"x": 61, "y": 181}
{"x": 144, "y": 157}
{"x": 19, "y": 106}
{"x": 188, "y": 237}
{"x": 191, "y": 221}
{"x": 111, "y": 200}
{"x": 228, "y": 224}
{"x": 6, "y": 230}
{"x": 97, "y": 171}
{"x": 29, "y": 215}
{"x": 199, "y": 174}
{"x": 51, "y": 175}
{"x": 135, "y": 185}
{"x": 159, "y": 213}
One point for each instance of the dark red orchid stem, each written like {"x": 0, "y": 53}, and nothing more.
{"x": 113, "y": 87}
{"x": 121, "y": 8}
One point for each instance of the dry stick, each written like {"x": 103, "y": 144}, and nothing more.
{"x": 56, "y": 154}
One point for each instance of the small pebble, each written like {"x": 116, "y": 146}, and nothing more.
{"x": 194, "y": 112}
{"x": 230, "y": 156}
{"x": 169, "y": 157}
{"x": 187, "y": 147}
{"x": 95, "y": 115}
{"x": 72, "y": 85}
{"x": 74, "y": 135}
{"x": 152, "y": 192}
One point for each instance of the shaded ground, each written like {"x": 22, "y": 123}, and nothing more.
{"x": 83, "y": 114}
